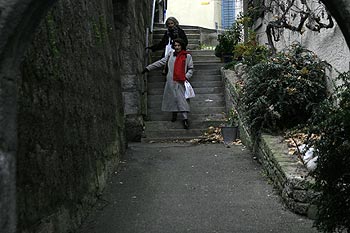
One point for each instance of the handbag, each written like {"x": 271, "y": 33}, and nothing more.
{"x": 189, "y": 92}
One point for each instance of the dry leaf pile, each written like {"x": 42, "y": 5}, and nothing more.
{"x": 213, "y": 135}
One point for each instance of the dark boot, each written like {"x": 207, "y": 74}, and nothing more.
{"x": 186, "y": 125}
{"x": 174, "y": 117}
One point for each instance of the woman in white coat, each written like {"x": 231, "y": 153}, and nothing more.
{"x": 180, "y": 68}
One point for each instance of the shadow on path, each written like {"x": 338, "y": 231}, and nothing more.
{"x": 177, "y": 188}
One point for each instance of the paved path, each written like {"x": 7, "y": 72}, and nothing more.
{"x": 178, "y": 188}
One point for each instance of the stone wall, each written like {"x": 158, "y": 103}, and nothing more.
{"x": 70, "y": 94}
{"x": 70, "y": 116}
{"x": 71, "y": 129}
{"x": 133, "y": 20}
{"x": 288, "y": 175}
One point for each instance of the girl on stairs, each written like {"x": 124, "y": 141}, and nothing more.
{"x": 180, "y": 68}
{"x": 173, "y": 31}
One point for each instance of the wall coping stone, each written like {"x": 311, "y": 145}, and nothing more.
{"x": 288, "y": 175}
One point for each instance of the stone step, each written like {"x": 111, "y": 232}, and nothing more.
{"x": 206, "y": 58}
{"x": 199, "y": 90}
{"x": 155, "y": 109}
{"x": 158, "y": 77}
{"x": 205, "y": 67}
{"x": 206, "y": 72}
{"x": 199, "y": 64}
{"x": 198, "y": 102}
{"x": 167, "y": 130}
{"x": 211, "y": 64}
{"x": 194, "y": 53}
{"x": 166, "y": 125}
{"x": 192, "y": 116}
{"x": 193, "y": 45}
{"x": 199, "y": 97}
{"x": 211, "y": 67}
{"x": 173, "y": 135}
{"x": 178, "y": 135}
{"x": 194, "y": 110}
{"x": 194, "y": 84}
{"x": 188, "y": 31}
{"x": 162, "y": 26}
{"x": 159, "y": 36}
{"x": 194, "y": 41}
{"x": 191, "y": 40}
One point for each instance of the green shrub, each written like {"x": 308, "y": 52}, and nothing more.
{"x": 250, "y": 52}
{"x": 281, "y": 92}
{"x": 332, "y": 175}
{"x": 228, "y": 39}
{"x": 231, "y": 65}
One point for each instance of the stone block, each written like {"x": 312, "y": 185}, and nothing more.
{"x": 301, "y": 208}
{"x": 131, "y": 82}
{"x": 132, "y": 103}
{"x": 302, "y": 196}
{"x": 287, "y": 192}
{"x": 135, "y": 126}
{"x": 312, "y": 212}
{"x": 298, "y": 182}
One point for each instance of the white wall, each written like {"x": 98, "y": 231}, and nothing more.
{"x": 329, "y": 44}
{"x": 203, "y": 13}
{"x": 238, "y": 8}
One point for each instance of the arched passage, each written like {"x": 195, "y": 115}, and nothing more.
{"x": 103, "y": 33}
{"x": 18, "y": 21}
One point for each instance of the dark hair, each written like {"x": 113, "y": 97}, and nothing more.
{"x": 181, "y": 42}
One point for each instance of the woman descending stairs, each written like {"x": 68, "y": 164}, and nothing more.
{"x": 207, "y": 107}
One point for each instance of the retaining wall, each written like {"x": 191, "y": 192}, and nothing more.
{"x": 288, "y": 175}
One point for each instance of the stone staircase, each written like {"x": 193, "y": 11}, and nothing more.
{"x": 192, "y": 33}
{"x": 207, "y": 108}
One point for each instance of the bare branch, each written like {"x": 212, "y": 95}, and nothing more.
{"x": 287, "y": 18}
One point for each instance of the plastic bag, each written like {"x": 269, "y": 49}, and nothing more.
{"x": 189, "y": 92}
{"x": 168, "y": 48}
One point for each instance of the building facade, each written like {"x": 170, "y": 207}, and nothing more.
{"x": 212, "y": 14}
{"x": 200, "y": 13}
{"x": 227, "y": 13}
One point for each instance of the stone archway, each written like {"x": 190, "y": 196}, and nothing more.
{"x": 18, "y": 20}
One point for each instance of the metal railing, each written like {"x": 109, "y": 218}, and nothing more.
{"x": 153, "y": 12}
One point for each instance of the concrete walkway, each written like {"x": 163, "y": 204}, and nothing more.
{"x": 178, "y": 188}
